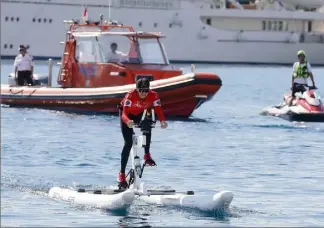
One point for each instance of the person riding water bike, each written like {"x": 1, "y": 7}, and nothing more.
{"x": 132, "y": 108}
{"x": 301, "y": 72}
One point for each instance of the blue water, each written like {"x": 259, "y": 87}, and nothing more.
{"x": 273, "y": 167}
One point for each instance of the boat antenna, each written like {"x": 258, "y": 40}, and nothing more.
{"x": 109, "y": 12}
{"x": 85, "y": 14}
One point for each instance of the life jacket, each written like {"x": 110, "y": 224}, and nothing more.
{"x": 301, "y": 70}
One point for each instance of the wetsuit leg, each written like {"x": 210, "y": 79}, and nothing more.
{"x": 128, "y": 142}
{"x": 148, "y": 142}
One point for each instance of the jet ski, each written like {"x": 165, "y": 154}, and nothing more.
{"x": 307, "y": 106}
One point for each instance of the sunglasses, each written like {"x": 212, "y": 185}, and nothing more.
{"x": 143, "y": 90}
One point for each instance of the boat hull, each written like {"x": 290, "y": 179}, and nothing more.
{"x": 180, "y": 96}
{"x": 290, "y": 115}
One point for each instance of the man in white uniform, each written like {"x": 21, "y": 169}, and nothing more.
{"x": 302, "y": 71}
{"x": 116, "y": 56}
{"x": 24, "y": 67}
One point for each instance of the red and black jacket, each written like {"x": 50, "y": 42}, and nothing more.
{"x": 132, "y": 104}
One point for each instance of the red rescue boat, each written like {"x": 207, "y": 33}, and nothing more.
{"x": 90, "y": 80}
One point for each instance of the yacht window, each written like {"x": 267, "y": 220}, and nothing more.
{"x": 309, "y": 26}
{"x": 269, "y": 25}
{"x": 274, "y": 25}
{"x": 280, "y": 27}
{"x": 264, "y": 26}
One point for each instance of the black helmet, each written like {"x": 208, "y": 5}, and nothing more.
{"x": 142, "y": 83}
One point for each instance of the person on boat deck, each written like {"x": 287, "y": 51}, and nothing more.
{"x": 301, "y": 72}
{"x": 132, "y": 108}
{"x": 24, "y": 67}
{"x": 116, "y": 56}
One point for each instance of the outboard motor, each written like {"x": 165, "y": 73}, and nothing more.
{"x": 38, "y": 79}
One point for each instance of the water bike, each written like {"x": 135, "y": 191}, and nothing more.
{"x": 112, "y": 198}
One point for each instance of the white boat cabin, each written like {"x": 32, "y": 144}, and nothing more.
{"x": 119, "y": 45}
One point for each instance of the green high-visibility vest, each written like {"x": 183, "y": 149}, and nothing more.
{"x": 301, "y": 70}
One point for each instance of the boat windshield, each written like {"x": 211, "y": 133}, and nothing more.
{"x": 152, "y": 51}
{"x": 119, "y": 48}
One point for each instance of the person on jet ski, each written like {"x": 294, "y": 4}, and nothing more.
{"x": 301, "y": 72}
{"x": 132, "y": 108}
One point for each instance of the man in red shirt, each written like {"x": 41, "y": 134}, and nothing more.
{"x": 133, "y": 106}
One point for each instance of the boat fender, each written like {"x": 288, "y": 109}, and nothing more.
{"x": 97, "y": 192}
{"x": 190, "y": 193}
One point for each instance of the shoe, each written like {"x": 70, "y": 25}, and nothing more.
{"x": 148, "y": 160}
{"x": 122, "y": 183}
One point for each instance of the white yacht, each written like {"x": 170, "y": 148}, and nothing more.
{"x": 215, "y": 31}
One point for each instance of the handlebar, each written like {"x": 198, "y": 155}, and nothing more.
{"x": 306, "y": 86}
{"x": 310, "y": 87}
{"x": 146, "y": 124}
